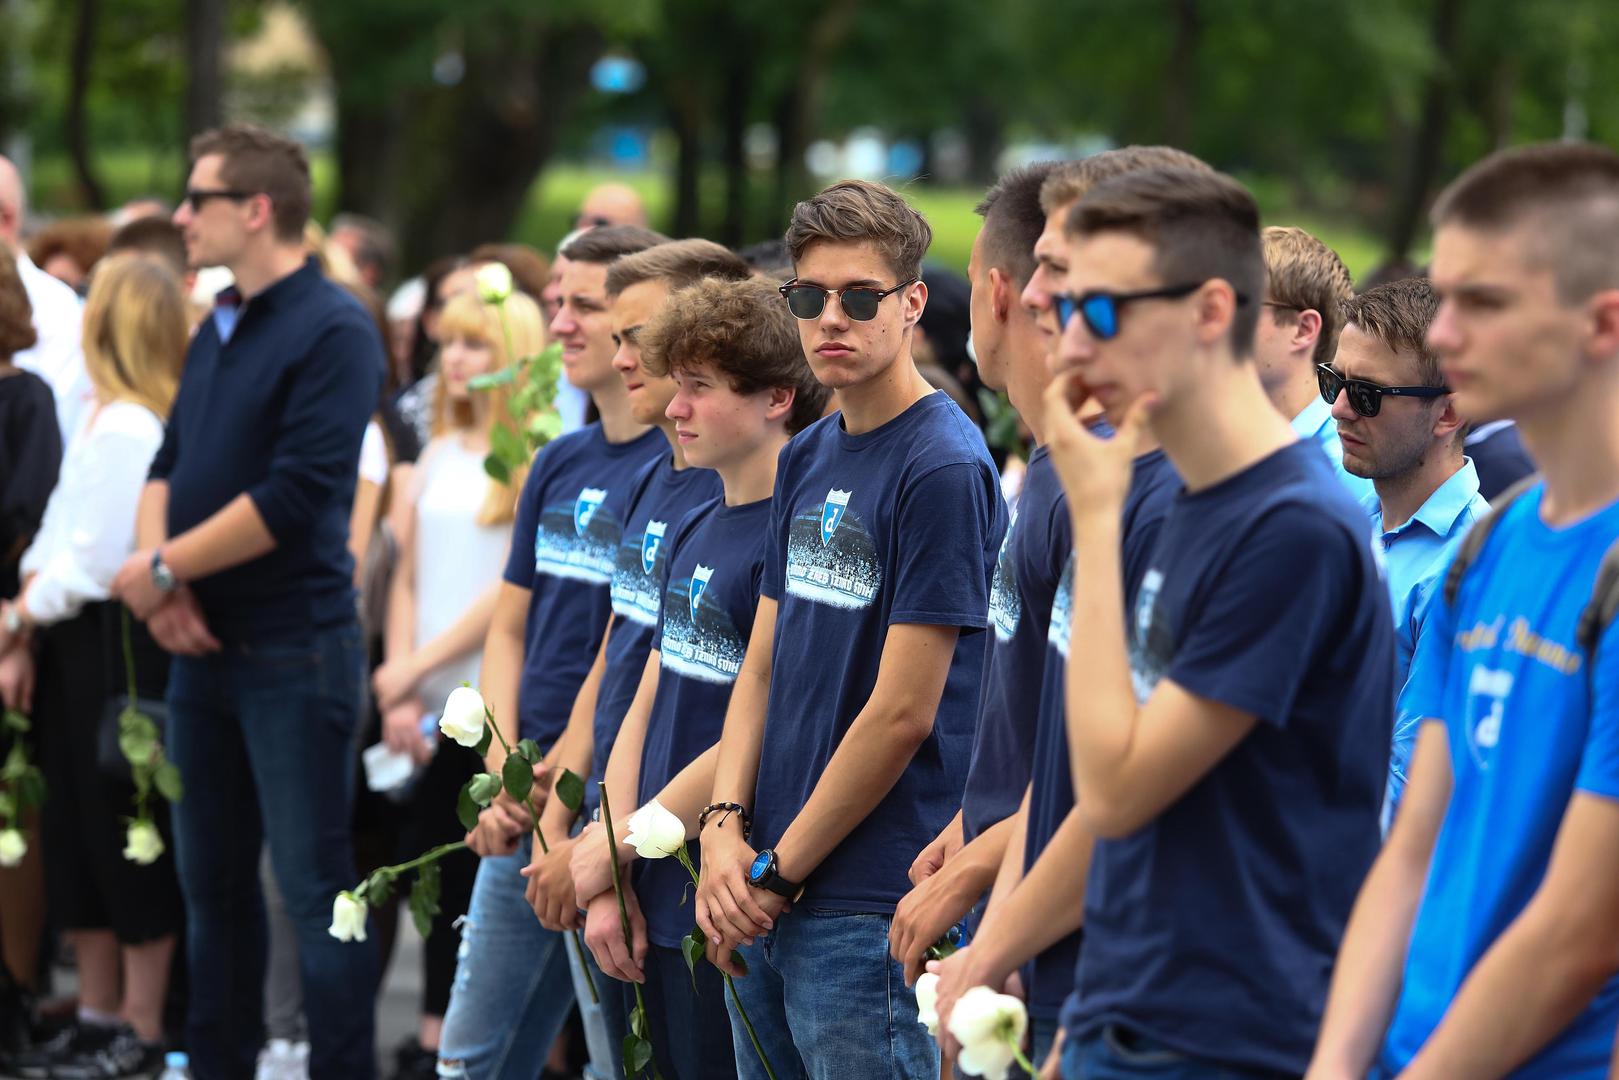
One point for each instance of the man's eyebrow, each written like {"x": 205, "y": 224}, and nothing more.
{"x": 859, "y": 283}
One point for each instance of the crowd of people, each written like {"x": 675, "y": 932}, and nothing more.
{"x": 1247, "y": 715}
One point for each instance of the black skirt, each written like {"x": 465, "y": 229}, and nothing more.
{"x": 90, "y": 884}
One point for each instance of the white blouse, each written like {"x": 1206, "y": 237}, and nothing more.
{"x": 89, "y": 525}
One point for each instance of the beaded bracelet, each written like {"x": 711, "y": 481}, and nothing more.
{"x": 729, "y": 808}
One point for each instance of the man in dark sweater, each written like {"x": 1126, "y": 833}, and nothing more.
{"x": 243, "y": 573}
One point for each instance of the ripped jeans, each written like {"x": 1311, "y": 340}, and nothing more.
{"x": 512, "y": 989}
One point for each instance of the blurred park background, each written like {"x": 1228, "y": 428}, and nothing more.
{"x": 459, "y": 121}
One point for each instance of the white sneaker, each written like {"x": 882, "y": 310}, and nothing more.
{"x": 283, "y": 1059}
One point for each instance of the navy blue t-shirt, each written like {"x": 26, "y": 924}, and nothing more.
{"x": 1153, "y": 487}
{"x": 569, "y": 518}
{"x": 716, "y": 560}
{"x": 1026, "y": 574}
{"x": 1213, "y": 928}
{"x": 900, "y": 525}
{"x": 659, "y": 497}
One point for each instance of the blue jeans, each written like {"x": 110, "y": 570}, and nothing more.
{"x": 690, "y": 1025}
{"x": 1042, "y": 1033}
{"x": 264, "y": 738}
{"x": 605, "y": 1020}
{"x": 828, "y": 1003}
{"x": 512, "y": 989}
{"x": 1115, "y": 1053}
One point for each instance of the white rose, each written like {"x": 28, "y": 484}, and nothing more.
{"x": 927, "y": 1002}
{"x": 654, "y": 832}
{"x": 143, "y": 843}
{"x": 12, "y": 847}
{"x": 494, "y": 282}
{"x": 990, "y": 1028}
{"x": 462, "y": 718}
{"x": 348, "y": 918}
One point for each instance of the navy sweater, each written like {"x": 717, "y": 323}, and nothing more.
{"x": 277, "y": 411}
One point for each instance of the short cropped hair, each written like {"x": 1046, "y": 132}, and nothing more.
{"x": 1397, "y": 315}
{"x": 1306, "y": 275}
{"x": 1070, "y": 180}
{"x": 677, "y": 264}
{"x": 604, "y": 244}
{"x": 1202, "y": 225}
{"x": 856, "y": 212}
{"x": 742, "y": 330}
{"x": 17, "y": 314}
{"x": 261, "y": 162}
{"x": 1571, "y": 193}
{"x": 1013, "y": 220}
{"x": 82, "y": 239}
{"x": 155, "y": 236}
{"x": 376, "y": 248}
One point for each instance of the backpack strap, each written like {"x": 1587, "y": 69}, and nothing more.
{"x": 1603, "y": 605}
{"x": 1468, "y": 550}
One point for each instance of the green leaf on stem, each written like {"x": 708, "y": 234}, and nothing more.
{"x": 16, "y": 721}
{"x": 570, "y": 789}
{"x": 741, "y": 964}
{"x": 637, "y": 1055}
{"x": 424, "y": 895}
{"x": 693, "y": 947}
{"x": 379, "y": 886}
{"x": 167, "y": 779}
{"x": 493, "y": 379}
{"x": 519, "y": 777}
{"x": 505, "y": 444}
{"x": 496, "y": 469}
{"x": 137, "y": 737}
{"x": 16, "y": 763}
{"x": 484, "y": 787}
{"x": 30, "y": 789}
{"x": 465, "y": 809}
{"x": 488, "y": 737}
{"x": 530, "y": 751}
{"x": 545, "y": 426}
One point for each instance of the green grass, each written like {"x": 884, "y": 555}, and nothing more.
{"x": 557, "y": 194}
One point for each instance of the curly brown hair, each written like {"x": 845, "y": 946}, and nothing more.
{"x": 16, "y": 313}
{"x": 744, "y": 331}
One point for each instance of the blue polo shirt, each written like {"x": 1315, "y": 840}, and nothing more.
{"x": 277, "y": 410}
{"x": 1415, "y": 558}
{"x": 1316, "y": 425}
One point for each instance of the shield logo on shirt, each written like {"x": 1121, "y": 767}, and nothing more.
{"x": 585, "y": 507}
{"x": 699, "y": 585}
{"x": 651, "y": 541}
{"x": 832, "y": 511}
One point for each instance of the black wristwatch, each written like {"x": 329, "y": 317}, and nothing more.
{"x": 763, "y": 875}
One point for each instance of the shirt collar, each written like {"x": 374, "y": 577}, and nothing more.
{"x": 1446, "y": 505}
{"x": 1316, "y": 415}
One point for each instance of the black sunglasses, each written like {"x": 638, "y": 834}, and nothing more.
{"x": 199, "y": 196}
{"x": 1100, "y": 309}
{"x": 1366, "y": 398}
{"x": 859, "y": 302}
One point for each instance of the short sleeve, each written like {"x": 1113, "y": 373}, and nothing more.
{"x": 373, "y": 455}
{"x": 526, "y": 526}
{"x": 1423, "y": 695}
{"x": 950, "y": 522}
{"x": 1283, "y": 594}
{"x": 774, "y": 583}
{"x": 1599, "y": 764}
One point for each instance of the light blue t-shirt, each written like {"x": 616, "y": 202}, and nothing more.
{"x": 1315, "y": 424}
{"x": 1415, "y": 557}
{"x": 1529, "y": 723}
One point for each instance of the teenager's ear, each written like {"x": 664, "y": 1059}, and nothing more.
{"x": 1603, "y": 342}
{"x": 1449, "y": 421}
{"x": 1306, "y": 331}
{"x": 1216, "y": 308}
{"x": 779, "y": 405}
{"x": 261, "y": 213}
{"x": 916, "y": 298}
{"x": 1003, "y": 293}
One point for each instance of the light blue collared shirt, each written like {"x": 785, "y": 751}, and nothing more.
{"x": 1315, "y": 424}
{"x": 1416, "y": 556}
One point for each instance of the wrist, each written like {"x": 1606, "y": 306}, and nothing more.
{"x": 1093, "y": 520}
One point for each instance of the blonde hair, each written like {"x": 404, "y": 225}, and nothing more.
{"x": 1307, "y": 275}
{"x": 465, "y": 315}
{"x": 135, "y": 330}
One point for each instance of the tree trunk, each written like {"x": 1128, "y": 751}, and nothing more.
{"x": 686, "y": 117}
{"x": 1180, "y": 79}
{"x": 78, "y": 135}
{"x": 737, "y": 93}
{"x": 370, "y": 150}
{"x": 983, "y": 129}
{"x": 799, "y": 107}
{"x": 205, "y": 38}
{"x": 1427, "y": 141}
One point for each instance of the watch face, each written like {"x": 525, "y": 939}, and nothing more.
{"x": 761, "y": 866}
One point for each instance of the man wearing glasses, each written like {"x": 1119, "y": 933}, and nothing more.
{"x": 1228, "y": 735}
{"x": 244, "y": 574}
{"x": 1306, "y": 286}
{"x": 1400, "y": 430}
{"x": 848, "y": 733}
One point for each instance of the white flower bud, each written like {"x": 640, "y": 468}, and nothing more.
{"x": 463, "y": 716}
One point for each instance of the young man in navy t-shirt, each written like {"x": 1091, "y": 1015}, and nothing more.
{"x": 1483, "y": 941}
{"x": 512, "y": 992}
{"x": 850, "y": 726}
{"x": 1229, "y": 734}
{"x": 743, "y": 389}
